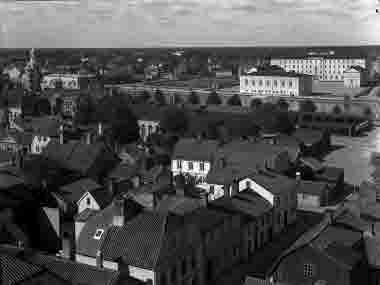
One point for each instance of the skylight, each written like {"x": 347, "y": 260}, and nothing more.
{"x": 98, "y": 234}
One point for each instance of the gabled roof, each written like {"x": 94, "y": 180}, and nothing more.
{"x": 195, "y": 149}
{"x": 334, "y": 234}
{"x": 343, "y": 255}
{"x": 102, "y": 196}
{"x": 274, "y": 183}
{"x": 85, "y": 215}
{"x": 312, "y": 187}
{"x": 73, "y": 192}
{"x": 142, "y": 241}
{"x": 179, "y": 205}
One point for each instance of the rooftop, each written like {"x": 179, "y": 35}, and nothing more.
{"x": 312, "y": 187}
{"x": 74, "y": 191}
{"x": 195, "y": 149}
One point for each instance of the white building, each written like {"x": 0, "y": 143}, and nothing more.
{"x": 67, "y": 81}
{"x": 322, "y": 68}
{"x": 148, "y": 127}
{"x": 354, "y": 77}
{"x": 272, "y": 83}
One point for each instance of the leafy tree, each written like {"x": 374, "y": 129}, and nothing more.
{"x": 308, "y": 106}
{"x": 213, "y": 99}
{"x": 177, "y": 99}
{"x": 234, "y": 100}
{"x": 256, "y": 103}
{"x": 86, "y": 111}
{"x": 193, "y": 98}
{"x": 337, "y": 110}
{"x": 159, "y": 97}
{"x": 42, "y": 107}
{"x": 283, "y": 105}
{"x": 175, "y": 120}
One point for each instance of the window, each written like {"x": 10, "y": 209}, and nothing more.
{"x": 98, "y": 234}
{"x": 290, "y": 83}
{"x": 260, "y": 82}
{"x": 246, "y": 82}
{"x": 275, "y": 83}
{"x": 253, "y": 82}
{"x": 190, "y": 165}
{"x": 268, "y": 82}
{"x": 308, "y": 270}
{"x": 88, "y": 201}
{"x": 282, "y": 83}
{"x": 179, "y": 164}
{"x": 202, "y": 166}
{"x": 193, "y": 261}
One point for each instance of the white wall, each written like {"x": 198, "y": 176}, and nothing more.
{"x": 38, "y": 143}
{"x": 111, "y": 265}
{"x": 258, "y": 189}
{"x": 54, "y": 218}
{"x": 78, "y": 229}
{"x": 141, "y": 274}
{"x": 145, "y": 126}
{"x": 85, "y": 259}
{"x": 307, "y": 200}
{"x": 251, "y": 84}
{"x": 196, "y": 171}
{"x": 82, "y": 203}
{"x": 218, "y": 190}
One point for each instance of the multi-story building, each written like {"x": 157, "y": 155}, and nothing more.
{"x": 276, "y": 82}
{"x": 67, "y": 81}
{"x": 322, "y": 68}
{"x": 354, "y": 77}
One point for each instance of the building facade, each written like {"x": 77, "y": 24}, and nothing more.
{"x": 67, "y": 81}
{"x": 276, "y": 83}
{"x": 322, "y": 68}
{"x": 354, "y": 77}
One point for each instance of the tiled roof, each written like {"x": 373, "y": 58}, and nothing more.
{"x": 334, "y": 234}
{"x": 74, "y": 191}
{"x": 194, "y": 149}
{"x": 179, "y": 205}
{"x": 274, "y": 183}
{"x": 312, "y": 187}
{"x": 142, "y": 240}
{"x": 343, "y": 255}
{"x": 13, "y": 270}
{"x": 85, "y": 215}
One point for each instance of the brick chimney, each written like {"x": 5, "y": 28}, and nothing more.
{"x": 119, "y": 212}
{"x": 99, "y": 259}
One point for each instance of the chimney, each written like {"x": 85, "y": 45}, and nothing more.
{"x": 99, "y": 259}
{"x": 100, "y": 129}
{"x": 61, "y": 134}
{"x": 88, "y": 138}
{"x": 20, "y": 244}
{"x": 119, "y": 216}
{"x": 298, "y": 176}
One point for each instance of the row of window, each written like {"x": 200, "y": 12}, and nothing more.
{"x": 276, "y": 83}
{"x": 190, "y": 165}
{"x": 270, "y": 91}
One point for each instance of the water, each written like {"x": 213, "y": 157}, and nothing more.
{"x": 355, "y": 156}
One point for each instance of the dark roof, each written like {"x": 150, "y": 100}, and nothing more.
{"x": 333, "y": 234}
{"x": 205, "y": 218}
{"x": 274, "y": 183}
{"x": 308, "y": 136}
{"x": 45, "y": 126}
{"x": 148, "y": 112}
{"x": 195, "y": 149}
{"x": 178, "y": 205}
{"x": 352, "y": 221}
{"x": 14, "y": 271}
{"x": 5, "y": 156}
{"x": 312, "y": 187}
{"x": 124, "y": 171}
{"x": 103, "y": 197}
{"x": 74, "y": 191}
{"x": 313, "y": 163}
{"x": 330, "y": 174}
{"x": 142, "y": 241}
{"x": 80, "y": 157}
{"x": 343, "y": 255}
{"x": 85, "y": 215}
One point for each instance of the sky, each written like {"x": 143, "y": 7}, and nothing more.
{"x": 161, "y": 23}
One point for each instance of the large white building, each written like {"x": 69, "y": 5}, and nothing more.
{"x": 73, "y": 81}
{"x": 322, "y": 68}
{"x": 277, "y": 82}
{"x": 354, "y": 77}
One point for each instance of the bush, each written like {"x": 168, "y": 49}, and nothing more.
{"x": 308, "y": 106}
{"x": 213, "y": 99}
{"x": 193, "y": 98}
{"x": 234, "y": 100}
{"x": 256, "y": 103}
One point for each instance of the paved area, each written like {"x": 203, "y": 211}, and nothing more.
{"x": 355, "y": 155}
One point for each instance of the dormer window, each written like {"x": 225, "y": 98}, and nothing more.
{"x": 98, "y": 234}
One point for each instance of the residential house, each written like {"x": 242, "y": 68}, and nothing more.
{"x": 43, "y": 130}
{"x": 148, "y": 118}
{"x": 355, "y": 76}
{"x": 313, "y": 194}
{"x": 326, "y": 255}
{"x": 193, "y": 157}
{"x": 89, "y": 160}
{"x": 312, "y": 142}
{"x": 151, "y": 246}
{"x": 14, "y": 141}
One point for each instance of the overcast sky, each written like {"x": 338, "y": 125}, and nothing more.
{"x": 151, "y": 23}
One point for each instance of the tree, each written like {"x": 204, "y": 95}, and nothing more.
{"x": 283, "y": 105}
{"x": 193, "y": 98}
{"x": 213, "y": 99}
{"x": 177, "y": 99}
{"x": 256, "y": 103}
{"x": 234, "y": 100}
{"x": 42, "y": 107}
{"x": 159, "y": 97}
{"x": 86, "y": 111}
{"x": 337, "y": 110}
{"x": 175, "y": 120}
{"x": 308, "y": 106}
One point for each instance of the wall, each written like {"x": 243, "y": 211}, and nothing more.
{"x": 258, "y": 189}
{"x": 270, "y": 85}
{"x": 218, "y": 190}
{"x": 85, "y": 259}
{"x": 307, "y": 200}
{"x": 83, "y": 205}
{"x": 196, "y": 171}
{"x": 38, "y": 143}
{"x": 78, "y": 229}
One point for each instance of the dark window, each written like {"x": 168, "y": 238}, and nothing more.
{"x": 308, "y": 270}
{"x": 193, "y": 261}
{"x": 88, "y": 201}
{"x": 190, "y": 164}
{"x": 212, "y": 189}
{"x": 202, "y": 166}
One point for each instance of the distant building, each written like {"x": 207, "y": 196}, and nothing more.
{"x": 74, "y": 81}
{"x": 354, "y": 77}
{"x": 276, "y": 82}
{"x": 322, "y": 68}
